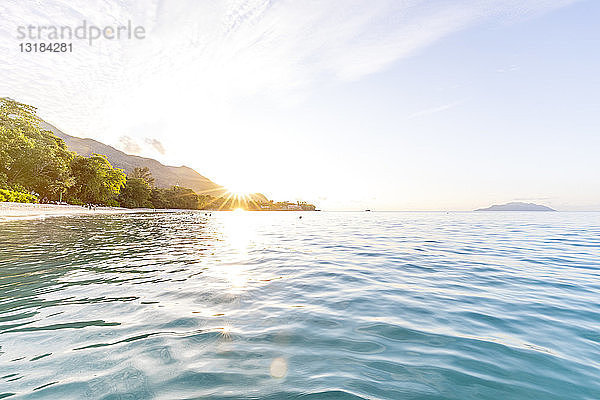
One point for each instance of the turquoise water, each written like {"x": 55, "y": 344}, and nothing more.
{"x": 330, "y": 306}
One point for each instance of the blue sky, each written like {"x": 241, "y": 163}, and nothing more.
{"x": 358, "y": 104}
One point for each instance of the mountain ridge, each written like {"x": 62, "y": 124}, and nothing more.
{"x": 164, "y": 175}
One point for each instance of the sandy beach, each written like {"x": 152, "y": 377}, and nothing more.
{"x": 11, "y": 211}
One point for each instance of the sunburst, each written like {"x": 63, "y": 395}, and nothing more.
{"x": 239, "y": 201}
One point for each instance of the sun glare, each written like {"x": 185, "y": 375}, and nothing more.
{"x": 239, "y": 201}
{"x": 238, "y": 193}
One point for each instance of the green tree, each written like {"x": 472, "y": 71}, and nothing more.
{"x": 17, "y": 197}
{"x": 31, "y": 157}
{"x": 159, "y": 198}
{"x": 180, "y": 197}
{"x": 144, "y": 174}
{"x": 95, "y": 180}
{"x": 135, "y": 194}
{"x": 206, "y": 201}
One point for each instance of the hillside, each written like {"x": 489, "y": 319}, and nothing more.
{"x": 164, "y": 175}
{"x": 516, "y": 206}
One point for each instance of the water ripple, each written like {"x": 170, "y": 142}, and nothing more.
{"x": 333, "y": 306}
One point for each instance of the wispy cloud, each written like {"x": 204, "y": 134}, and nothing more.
{"x": 129, "y": 145}
{"x": 156, "y": 145}
{"x": 433, "y": 110}
{"x": 199, "y": 57}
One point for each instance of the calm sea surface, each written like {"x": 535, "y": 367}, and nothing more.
{"x": 330, "y": 306}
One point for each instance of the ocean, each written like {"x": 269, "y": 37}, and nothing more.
{"x": 267, "y": 305}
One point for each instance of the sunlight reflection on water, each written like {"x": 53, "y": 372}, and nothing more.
{"x": 265, "y": 305}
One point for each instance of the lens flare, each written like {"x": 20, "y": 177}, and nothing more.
{"x": 279, "y": 367}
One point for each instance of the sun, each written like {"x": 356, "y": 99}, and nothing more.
{"x": 239, "y": 201}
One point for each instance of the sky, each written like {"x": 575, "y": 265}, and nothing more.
{"x": 379, "y": 104}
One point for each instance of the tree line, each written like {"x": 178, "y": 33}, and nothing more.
{"x": 36, "y": 166}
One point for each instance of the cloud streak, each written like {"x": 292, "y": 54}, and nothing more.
{"x": 129, "y": 145}
{"x": 201, "y": 57}
{"x": 433, "y": 110}
{"x": 156, "y": 145}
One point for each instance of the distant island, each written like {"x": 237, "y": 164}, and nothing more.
{"x": 516, "y": 206}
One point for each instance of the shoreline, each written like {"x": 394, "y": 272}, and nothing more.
{"x": 15, "y": 211}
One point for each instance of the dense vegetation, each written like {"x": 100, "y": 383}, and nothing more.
{"x": 36, "y": 166}
{"x": 17, "y": 197}
{"x": 31, "y": 160}
{"x": 35, "y": 162}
